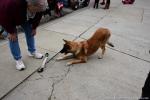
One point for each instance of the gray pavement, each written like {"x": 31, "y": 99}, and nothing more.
{"x": 120, "y": 75}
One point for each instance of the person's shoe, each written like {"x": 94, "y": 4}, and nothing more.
{"x": 106, "y": 7}
{"x": 102, "y": 3}
{"x": 36, "y": 55}
{"x": 20, "y": 65}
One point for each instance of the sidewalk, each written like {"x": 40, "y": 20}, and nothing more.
{"x": 119, "y": 75}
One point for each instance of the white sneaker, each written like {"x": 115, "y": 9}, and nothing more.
{"x": 20, "y": 65}
{"x": 36, "y": 55}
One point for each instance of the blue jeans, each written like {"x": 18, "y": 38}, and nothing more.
{"x": 14, "y": 45}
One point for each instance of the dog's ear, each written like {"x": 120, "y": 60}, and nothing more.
{"x": 65, "y": 41}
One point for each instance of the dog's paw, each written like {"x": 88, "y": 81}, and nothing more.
{"x": 68, "y": 64}
{"x": 100, "y": 57}
{"x": 59, "y": 58}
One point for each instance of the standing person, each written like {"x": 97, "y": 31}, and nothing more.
{"x": 96, "y": 4}
{"x": 14, "y": 13}
{"x": 146, "y": 89}
{"x": 106, "y": 5}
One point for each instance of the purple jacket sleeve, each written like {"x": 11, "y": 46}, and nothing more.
{"x": 12, "y": 13}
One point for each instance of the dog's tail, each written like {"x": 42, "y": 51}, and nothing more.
{"x": 110, "y": 44}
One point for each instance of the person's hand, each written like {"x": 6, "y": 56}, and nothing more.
{"x": 33, "y": 32}
{"x": 12, "y": 37}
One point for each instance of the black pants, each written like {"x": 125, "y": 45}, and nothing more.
{"x": 96, "y": 4}
{"x": 107, "y": 4}
{"x": 146, "y": 89}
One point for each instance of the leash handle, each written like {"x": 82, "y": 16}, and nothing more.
{"x": 44, "y": 61}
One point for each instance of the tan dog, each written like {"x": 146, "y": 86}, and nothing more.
{"x": 81, "y": 50}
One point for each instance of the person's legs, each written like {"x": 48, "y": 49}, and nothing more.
{"x": 30, "y": 40}
{"x": 97, "y": 3}
{"x": 15, "y": 49}
{"x": 16, "y": 53}
{"x": 107, "y": 4}
{"x": 94, "y": 4}
{"x": 29, "y": 37}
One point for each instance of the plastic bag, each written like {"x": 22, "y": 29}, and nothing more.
{"x": 127, "y": 1}
{"x": 37, "y": 5}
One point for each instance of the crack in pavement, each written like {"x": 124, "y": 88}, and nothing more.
{"x": 53, "y": 87}
{"x": 57, "y": 82}
{"x": 129, "y": 55}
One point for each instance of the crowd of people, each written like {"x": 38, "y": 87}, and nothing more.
{"x": 104, "y": 2}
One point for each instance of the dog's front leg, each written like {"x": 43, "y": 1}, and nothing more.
{"x": 76, "y": 61}
{"x": 64, "y": 57}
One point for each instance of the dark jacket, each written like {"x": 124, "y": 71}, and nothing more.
{"x": 146, "y": 89}
{"x": 13, "y": 13}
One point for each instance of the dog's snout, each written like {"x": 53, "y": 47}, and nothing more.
{"x": 62, "y": 51}
{"x": 65, "y": 49}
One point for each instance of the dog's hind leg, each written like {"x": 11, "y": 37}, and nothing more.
{"x": 100, "y": 56}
